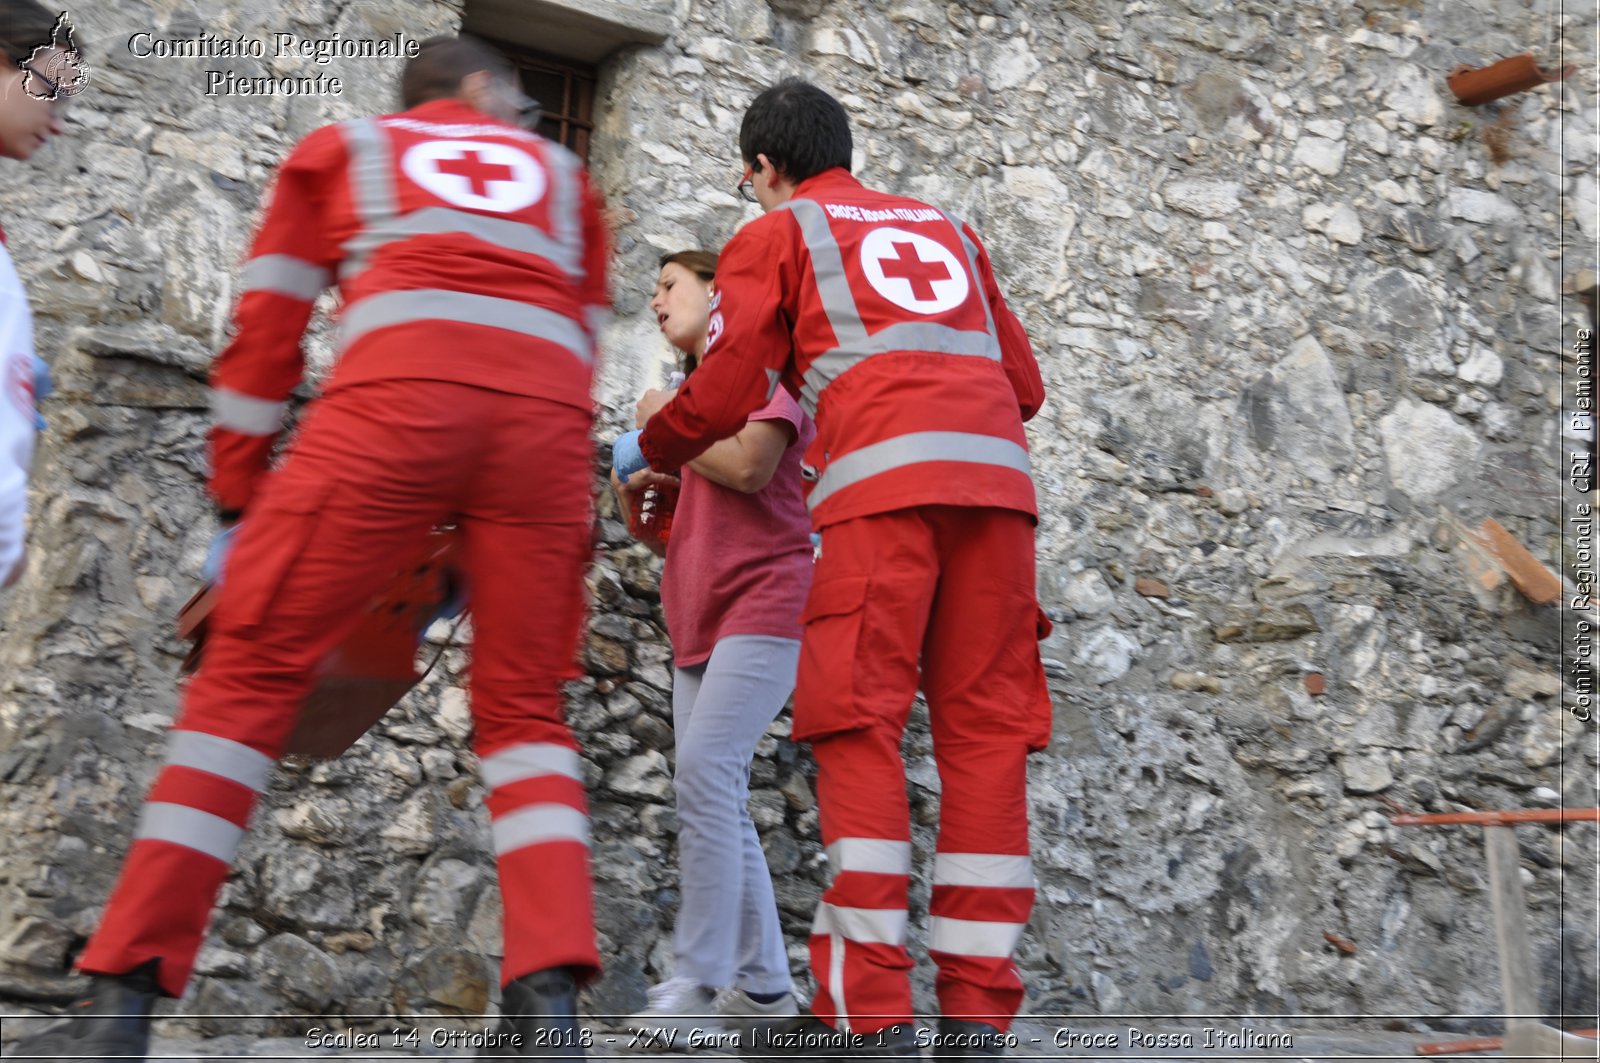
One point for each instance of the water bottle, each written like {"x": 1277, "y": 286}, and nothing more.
{"x": 653, "y": 517}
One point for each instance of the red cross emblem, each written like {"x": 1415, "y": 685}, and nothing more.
{"x": 479, "y": 174}
{"x": 909, "y": 266}
{"x": 913, "y": 271}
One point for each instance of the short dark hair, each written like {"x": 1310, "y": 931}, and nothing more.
{"x": 436, "y": 71}
{"x": 24, "y": 25}
{"x": 801, "y": 128}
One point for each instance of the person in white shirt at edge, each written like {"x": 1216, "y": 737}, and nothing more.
{"x": 26, "y": 122}
{"x": 738, "y": 566}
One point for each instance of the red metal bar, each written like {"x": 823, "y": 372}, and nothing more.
{"x": 1500, "y": 819}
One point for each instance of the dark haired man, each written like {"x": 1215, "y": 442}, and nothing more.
{"x": 882, "y": 314}
{"x": 471, "y": 259}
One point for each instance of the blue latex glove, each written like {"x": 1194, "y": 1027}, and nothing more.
{"x": 626, "y": 457}
{"x": 42, "y": 387}
{"x": 217, "y": 554}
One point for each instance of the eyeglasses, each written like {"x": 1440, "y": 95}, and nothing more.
{"x": 747, "y": 185}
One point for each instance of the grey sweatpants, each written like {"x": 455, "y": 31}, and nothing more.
{"x": 728, "y": 932}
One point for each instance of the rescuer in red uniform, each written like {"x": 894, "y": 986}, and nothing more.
{"x": 883, "y": 316}
{"x": 471, "y": 258}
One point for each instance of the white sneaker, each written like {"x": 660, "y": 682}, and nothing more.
{"x": 680, "y": 1015}
{"x": 740, "y": 1014}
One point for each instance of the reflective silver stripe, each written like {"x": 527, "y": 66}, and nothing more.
{"x": 915, "y": 448}
{"x": 537, "y": 824}
{"x": 977, "y": 281}
{"x": 246, "y": 414}
{"x": 827, "y": 264}
{"x": 596, "y": 318}
{"x": 284, "y": 274}
{"x": 232, "y": 760}
{"x": 867, "y": 926}
{"x": 994, "y": 870}
{"x": 563, "y": 170}
{"x": 371, "y": 179}
{"x": 530, "y": 760}
{"x": 902, "y": 336}
{"x": 972, "y": 937}
{"x": 879, "y": 856}
{"x": 434, "y": 304}
{"x": 190, "y": 828}
{"x": 836, "y": 981}
{"x": 371, "y": 169}
{"x": 440, "y": 221}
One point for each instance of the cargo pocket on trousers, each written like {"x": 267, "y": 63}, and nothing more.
{"x": 272, "y": 538}
{"x": 826, "y": 697}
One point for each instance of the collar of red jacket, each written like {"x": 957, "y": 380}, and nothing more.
{"x": 453, "y": 109}
{"x": 834, "y": 180}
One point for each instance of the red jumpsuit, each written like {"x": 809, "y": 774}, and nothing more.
{"x": 883, "y": 316}
{"x": 471, "y": 259}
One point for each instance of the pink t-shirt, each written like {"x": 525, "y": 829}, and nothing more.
{"x": 740, "y": 564}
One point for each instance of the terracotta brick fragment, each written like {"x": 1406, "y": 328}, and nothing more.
{"x": 1151, "y": 588}
{"x": 1316, "y": 684}
{"x": 1536, "y": 582}
{"x": 1344, "y": 945}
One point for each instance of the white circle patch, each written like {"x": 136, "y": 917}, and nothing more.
{"x": 912, "y": 271}
{"x": 714, "y": 329}
{"x": 477, "y": 174}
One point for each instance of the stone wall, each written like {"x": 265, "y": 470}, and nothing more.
{"x": 1299, "y": 315}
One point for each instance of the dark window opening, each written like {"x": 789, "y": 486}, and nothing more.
{"x": 565, "y": 91}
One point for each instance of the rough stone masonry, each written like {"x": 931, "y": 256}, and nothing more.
{"x": 1300, "y": 316}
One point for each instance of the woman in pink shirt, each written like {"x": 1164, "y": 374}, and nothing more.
{"x": 738, "y": 567}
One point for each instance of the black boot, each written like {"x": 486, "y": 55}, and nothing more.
{"x": 110, "y": 1025}
{"x": 806, "y": 1036}
{"x": 539, "y": 1017}
{"x": 964, "y": 1039}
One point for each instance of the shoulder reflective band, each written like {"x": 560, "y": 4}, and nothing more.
{"x": 977, "y": 281}
{"x": 912, "y": 449}
{"x": 564, "y": 221}
{"x": 371, "y": 176}
{"x": 285, "y": 275}
{"x": 442, "y": 221}
{"x": 231, "y": 760}
{"x": 371, "y": 169}
{"x": 536, "y": 825}
{"x": 436, "y": 304}
{"x": 844, "y": 317}
{"x": 246, "y": 414}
